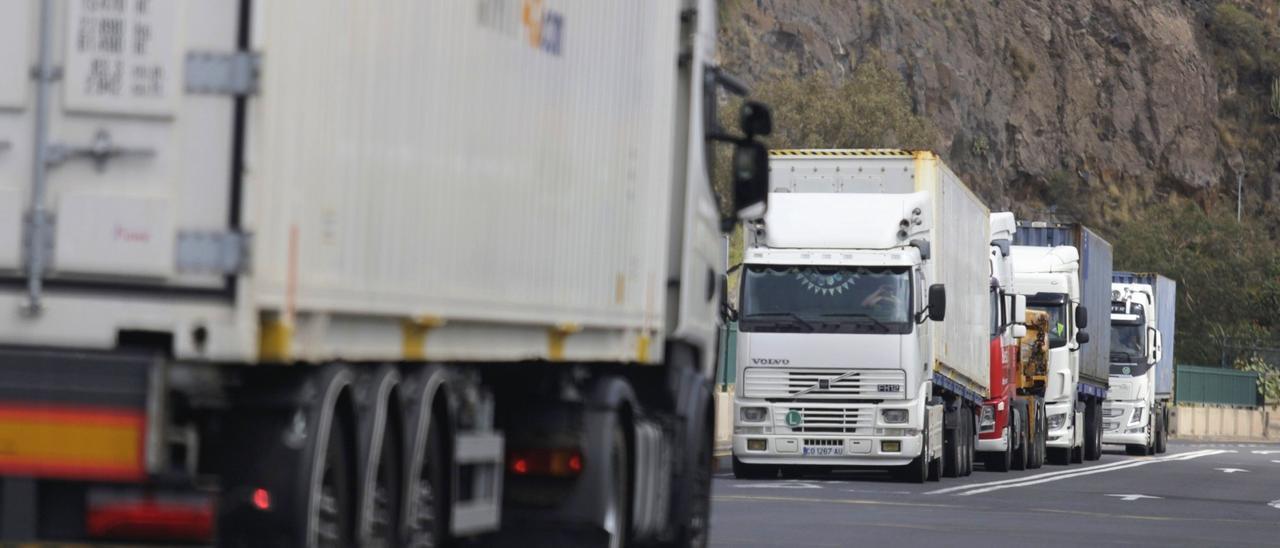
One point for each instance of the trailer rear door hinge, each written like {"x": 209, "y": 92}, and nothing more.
{"x": 222, "y": 73}
{"x": 213, "y": 252}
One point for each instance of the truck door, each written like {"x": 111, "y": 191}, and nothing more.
{"x": 139, "y": 115}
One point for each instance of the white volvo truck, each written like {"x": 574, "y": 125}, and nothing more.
{"x": 1136, "y": 413}
{"x": 340, "y": 273}
{"x": 838, "y": 361}
{"x": 1065, "y": 271}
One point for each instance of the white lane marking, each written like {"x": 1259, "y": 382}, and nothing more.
{"x": 1044, "y": 475}
{"x": 1231, "y": 470}
{"x": 1274, "y": 504}
{"x": 1036, "y": 480}
{"x": 1266, "y": 452}
{"x": 1276, "y": 461}
{"x": 1133, "y": 497}
{"x": 779, "y": 485}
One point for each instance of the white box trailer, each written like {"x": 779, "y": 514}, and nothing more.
{"x": 834, "y": 354}
{"x": 433, "y": 202}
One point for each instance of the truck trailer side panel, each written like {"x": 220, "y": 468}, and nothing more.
{"x": 1166, "y": 318}
{"x": 1095, "y": 281}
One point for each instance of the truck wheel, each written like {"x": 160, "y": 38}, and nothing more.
{"x": 384, "y": 509}
{"x": 966, "y": 418}
{"x": 1018, "y": 433}
{"x": 1039, "y": 437}
{"x": 917, "y": 471}
{"x": 1152, "y": 434}
{"x": 1002, "y": 461}
{"x": 427, "y": 498}
{"x": 1092, "y": 431}
{"x": 617, "y": 515}
{"x": 951, "y": 460}
{"x": 333, "y": 512}
{"x": 1162, "y": 433}
{"x": 742, "y": 470}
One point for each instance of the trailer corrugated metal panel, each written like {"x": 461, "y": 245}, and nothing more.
{"x": 503, "y": 180}
{"x": 1095, "y": 283}
{"x": 1212, "y": 385}
{"x": 1166, "y": 317}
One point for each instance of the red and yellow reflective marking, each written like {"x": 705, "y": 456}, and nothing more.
{"x": 72, "y": 442}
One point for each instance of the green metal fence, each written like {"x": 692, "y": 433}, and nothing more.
{"x": 1213, "y": 385}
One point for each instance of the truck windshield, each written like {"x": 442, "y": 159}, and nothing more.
{"x": 829, "y": 299}
{"x": 1057, "y": 320}
{"x": 1127, "y": 342}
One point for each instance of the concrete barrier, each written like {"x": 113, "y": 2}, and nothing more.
{"x": 724, "y": 420}
{"x": 1224, "y": 423}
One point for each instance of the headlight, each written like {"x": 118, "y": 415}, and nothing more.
{"x": 894, "y": 416}
{"x": 1056, "y": 421}
{"x": 753, "y": 414}
{"x": 1137, "y": 416}
{"x": 987, "y": 422}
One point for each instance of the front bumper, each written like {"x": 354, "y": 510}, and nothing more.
{"x": 998, "y": 445}
{"x": 854, "y": 450}
{"x": 828, "y": 434}
{"x": 1118, "y": 424}
{"x": 1064, "y": 436}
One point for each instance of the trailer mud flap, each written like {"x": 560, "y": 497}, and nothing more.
{"x": 80, "y": 416}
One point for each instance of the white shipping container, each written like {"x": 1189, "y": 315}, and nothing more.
{"x": 454, "y": 179}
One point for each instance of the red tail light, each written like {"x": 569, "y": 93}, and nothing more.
{"x": 559, "y": 463}
{"x": 147, "y": 519}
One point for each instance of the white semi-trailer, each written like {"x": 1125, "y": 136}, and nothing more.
{"x": 1136, "y": 413}
{"x": 347, "y": 273}
{"x": 1064, "y": 269}
{"x": 838, "y": 363}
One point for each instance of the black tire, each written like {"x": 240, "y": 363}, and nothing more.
{"x": 1040, "y": 437}
{"x": 427, "y": 492}
{"x": 951, "y": 461}
{"x": 969, "y": 446}
{"x": 695, "y": 531}
{"x": 336, "y": 506}
{"x": 1162, "y": 434}
{"x": 1093, "y": 431}
{"x": 742, "y": 470}
{"x": 1154, "y": 433}
{"x": 916, "y": 471}
{"x": 620, "y": 489}
{"x": 385, "y": 511}
{"x": 1018, "y": 432}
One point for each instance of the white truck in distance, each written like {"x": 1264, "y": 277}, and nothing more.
{"x": 1135, "y": 413}
{"x": 838, "y": 363}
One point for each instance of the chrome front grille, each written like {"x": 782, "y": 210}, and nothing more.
{"x": 823, "y": 384}
{"x": 824, "y": 420}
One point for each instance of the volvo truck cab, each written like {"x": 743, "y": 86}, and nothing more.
{"x": 1132, "y": 414}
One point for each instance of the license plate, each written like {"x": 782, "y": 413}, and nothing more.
{"x": 823, "y": 451}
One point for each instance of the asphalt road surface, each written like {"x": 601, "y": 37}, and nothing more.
{"x": 1194, "y": 495}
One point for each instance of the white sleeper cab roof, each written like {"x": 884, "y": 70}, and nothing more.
{"x": 845, "y": 221}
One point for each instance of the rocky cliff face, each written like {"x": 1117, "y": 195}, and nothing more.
{"x": 1110, "y": 102}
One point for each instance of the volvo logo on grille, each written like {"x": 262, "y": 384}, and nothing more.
{"x": 770, "y": 361}
{"x": 824, "y": 384}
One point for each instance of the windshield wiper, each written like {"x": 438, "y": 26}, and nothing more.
{"x": 858, "y": 315}
{"x": 791, "y": 315}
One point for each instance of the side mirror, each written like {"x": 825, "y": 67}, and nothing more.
{"x": 1082, "y": 317}
{"x": 1020, "y": 310}
{"x": 728, "y": 313}
{"x": 1082, "y": 337}
{"x": 756, "y": 119}
{"x": 750, "y": 179}
{"x": 937, "y": 302}
{"x": 1018, "y": 330}
{"x": 1157, "y": 345}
